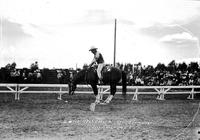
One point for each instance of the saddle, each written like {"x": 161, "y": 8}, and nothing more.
{"x": 105, "y": 69}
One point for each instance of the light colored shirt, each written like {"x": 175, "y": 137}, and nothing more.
{"x": 96, "y": 56}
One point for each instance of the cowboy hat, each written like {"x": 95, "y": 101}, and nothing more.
{"x": 92, "y": 48}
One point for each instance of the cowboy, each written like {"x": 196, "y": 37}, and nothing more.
{"x": 98, "y": 58}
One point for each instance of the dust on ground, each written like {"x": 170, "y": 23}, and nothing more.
{"x": 43, "y": 117}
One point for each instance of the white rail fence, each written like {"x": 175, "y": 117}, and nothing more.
{"x": 18, "y": 89}
{"x": 60, "y": 89}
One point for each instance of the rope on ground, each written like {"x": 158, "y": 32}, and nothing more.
{"x": 194, "y": 117}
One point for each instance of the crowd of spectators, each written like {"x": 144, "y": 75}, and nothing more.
{"x": 174, "y": 74}
{"x": 11, "y": 74}
{"x": 35, "y": 75}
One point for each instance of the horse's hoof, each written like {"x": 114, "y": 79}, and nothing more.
{"x": 106, "y": 102}
{"x": 97, "y": 102}
{"x": 92, "y": 107}
{"x": 103, "y": 103}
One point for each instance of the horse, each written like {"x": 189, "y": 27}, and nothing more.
{"x": 111, "y": 76}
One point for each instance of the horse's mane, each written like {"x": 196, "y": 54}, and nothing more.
{"x": 79, "y": 76}
{"x": 82, "y": 74}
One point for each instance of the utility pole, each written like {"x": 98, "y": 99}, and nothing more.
{"x": 115, "y": 30}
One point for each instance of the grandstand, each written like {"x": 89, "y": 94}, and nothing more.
{"x": 161, "y": 80}
{"x": 174, "y": 74}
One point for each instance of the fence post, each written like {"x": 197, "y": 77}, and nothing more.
{"x": 16, "y": 92}
{"x": 161, "y": 95}
{"x": 135, "y": 97}
{"x": 60, "y": 94}
{"x": 100, "y": 92}
{"x": 191, "y": 96}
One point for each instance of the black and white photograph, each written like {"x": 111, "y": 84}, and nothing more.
{"x": 99, "y": 69}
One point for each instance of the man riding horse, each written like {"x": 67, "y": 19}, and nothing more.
{"x": 98, "y": 58}
{"x": 112, "y": 76}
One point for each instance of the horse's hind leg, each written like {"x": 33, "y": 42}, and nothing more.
{"x": 113, "y": 90}
{"x": 95, "y": 90}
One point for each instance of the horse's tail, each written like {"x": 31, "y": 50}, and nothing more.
{"x": 124, "y": 82}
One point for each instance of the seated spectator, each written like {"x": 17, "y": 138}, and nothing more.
{"x": 34, "y": 66}
{"x": 139, "y": 81}
{"x": 60, "y": 76}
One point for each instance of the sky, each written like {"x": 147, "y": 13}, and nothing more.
{"x": 59, "y": 33}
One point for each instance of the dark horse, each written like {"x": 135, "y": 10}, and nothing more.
{"x": 111, "y": 76}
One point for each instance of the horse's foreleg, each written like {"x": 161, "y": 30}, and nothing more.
{"x": 95, "y": 89}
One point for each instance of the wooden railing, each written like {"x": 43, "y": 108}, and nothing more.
{"x": 61, "y": 89}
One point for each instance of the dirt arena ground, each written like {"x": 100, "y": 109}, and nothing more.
{"x": 43, "y": 117}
